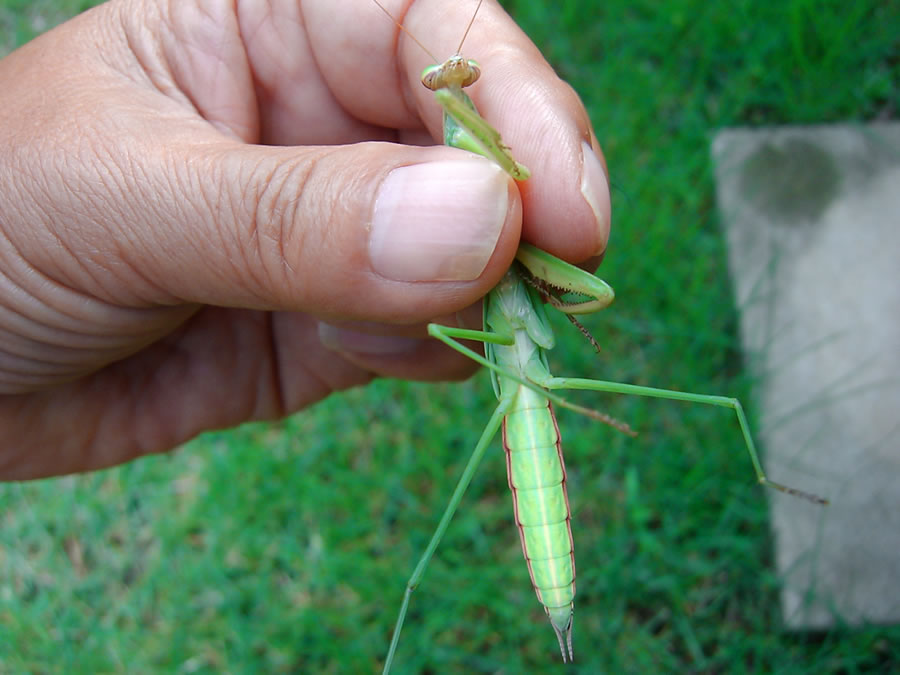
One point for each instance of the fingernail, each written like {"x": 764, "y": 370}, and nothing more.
{"x": 438, "y": 221}
{"x": 595, "y": 189}
{"x": 344, "y": 340}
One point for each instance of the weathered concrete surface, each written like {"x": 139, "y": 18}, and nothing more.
{"x": 812, "y": 218}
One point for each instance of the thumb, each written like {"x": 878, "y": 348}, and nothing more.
{"x": 372, "y": 231}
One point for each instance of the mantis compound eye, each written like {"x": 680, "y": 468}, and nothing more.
{"x": 474, "y": 72}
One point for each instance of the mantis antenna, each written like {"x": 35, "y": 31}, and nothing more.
{"x": 416, "y": 40}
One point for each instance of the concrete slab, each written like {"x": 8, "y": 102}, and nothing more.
{"x": 812, "y": 219}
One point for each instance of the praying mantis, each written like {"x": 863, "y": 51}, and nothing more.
{"x": 517, "y": 336}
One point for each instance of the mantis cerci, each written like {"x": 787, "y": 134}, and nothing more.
{"x": 517, "y": 336}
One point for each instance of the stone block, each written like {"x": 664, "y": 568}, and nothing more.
{"x": 812, "y": 219}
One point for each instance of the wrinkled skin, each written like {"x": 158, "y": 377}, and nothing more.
{"x": 182, "y": 202}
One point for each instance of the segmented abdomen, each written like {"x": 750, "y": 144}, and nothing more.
{"x": 537, "y": 478}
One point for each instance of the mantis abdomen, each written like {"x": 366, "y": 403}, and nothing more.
{"x": 534, "y": 461}
{"x": 537, "y": 478}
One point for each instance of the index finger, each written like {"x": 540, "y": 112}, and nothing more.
{"x": 541, "y": 118}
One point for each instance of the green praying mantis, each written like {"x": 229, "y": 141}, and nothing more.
{"x": 517, "y": 336}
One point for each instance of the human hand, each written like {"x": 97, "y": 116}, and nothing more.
{"x": 168, "y": 266}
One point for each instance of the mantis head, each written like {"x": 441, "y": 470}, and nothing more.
{"x": 452, "y": 73}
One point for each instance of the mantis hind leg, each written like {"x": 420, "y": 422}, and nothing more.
{"x": 721, "y": 401}
{"x": 464, "y": 480}
{"x": 449, "y": 337}
{"x": 541, "y": 380}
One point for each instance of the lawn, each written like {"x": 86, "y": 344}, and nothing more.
{"x": 284, "y": 547}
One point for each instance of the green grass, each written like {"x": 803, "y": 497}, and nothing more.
{"x": 20, "y": 20}
{"x": 285, "y": 547}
